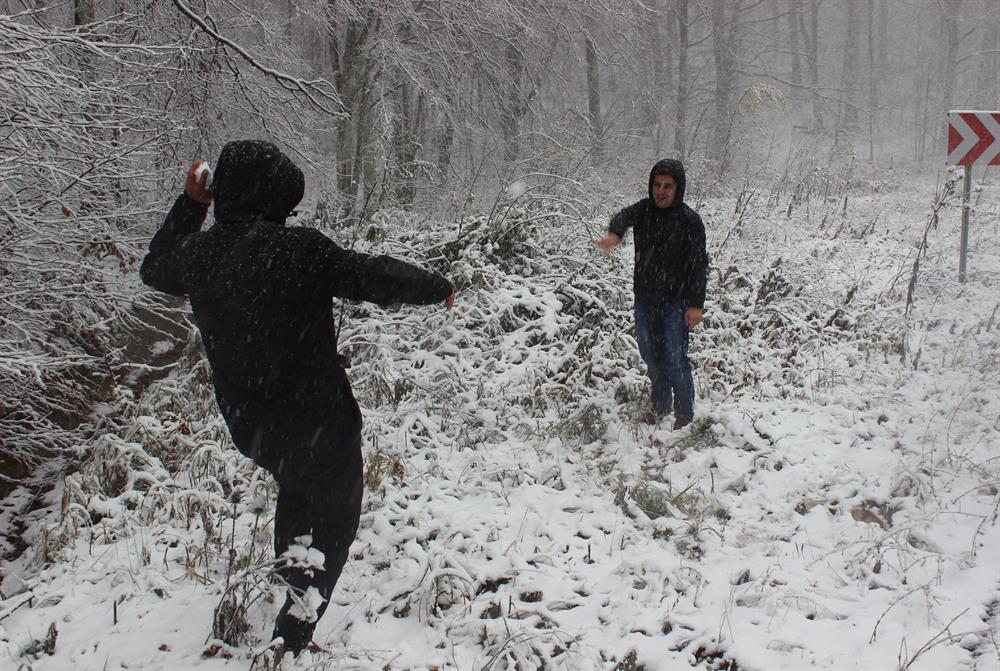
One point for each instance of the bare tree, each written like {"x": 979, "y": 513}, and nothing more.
{"x": 725, "y": 17}
{"x": 950, "y": 15}
{"x": 872, "y": 79}
{"x": 85, "y": 173}
{"x": 660, "y": 100}
{"x": 849, "y": 71}
{"x": 83, "y": 12}
{"x": 683, "y": 44}
{"x": 353, "y": 70}
{"x": 794, "y": 13}
{"x": 594, "y": 96}
{"x": 809, "y": 22}
{"x": 988, "y": 83}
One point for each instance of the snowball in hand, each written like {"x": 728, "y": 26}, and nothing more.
{"x": 201, "y": 171}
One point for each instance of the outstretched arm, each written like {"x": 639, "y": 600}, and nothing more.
{"x": 608, "y": 242}
{"x": 378, "y": 279}
{"x": 160, "y": 269}
{"x": 620, "y": 223}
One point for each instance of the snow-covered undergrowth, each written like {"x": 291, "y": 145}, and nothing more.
{"x": 833, "y": 507}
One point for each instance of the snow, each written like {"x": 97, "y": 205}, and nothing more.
{"x": 834, "y": 505}
{"x": 202, "y": 170}
{"x": 516, "y": 189}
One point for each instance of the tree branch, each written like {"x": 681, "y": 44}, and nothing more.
{"x": 312, "y": 90}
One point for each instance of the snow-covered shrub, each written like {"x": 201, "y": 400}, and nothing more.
{"x": 518, "y": 513}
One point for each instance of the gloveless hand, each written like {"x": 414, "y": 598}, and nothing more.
{"x": 693, "y": 317}
{"x": 608, "y": 242}
{"x": 196, "y": 186}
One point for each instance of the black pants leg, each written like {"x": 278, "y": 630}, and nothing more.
{"x": 329, "y": 512}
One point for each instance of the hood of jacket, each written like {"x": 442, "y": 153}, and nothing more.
{"x": 254, "y": 180}
{"x": 674, "y": 168}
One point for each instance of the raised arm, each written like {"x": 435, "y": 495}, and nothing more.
{"x": 160, "y": 269}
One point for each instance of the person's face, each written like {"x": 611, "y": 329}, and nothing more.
{"x": 664, "y": 190}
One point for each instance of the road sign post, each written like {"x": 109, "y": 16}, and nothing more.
{"x": 966, "y": 206}
{"x": 973, "y": 139}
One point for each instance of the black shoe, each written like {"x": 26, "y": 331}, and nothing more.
{"x": 296, "y": 634}
{"x": 293, "y": 647}
{"x": 681, "y": 422}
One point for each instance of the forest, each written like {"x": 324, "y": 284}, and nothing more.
{"x": 492, "y": 141}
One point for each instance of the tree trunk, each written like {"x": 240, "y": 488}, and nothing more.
{"x": 849, "y": 71}
{"x": 658, "y": 95}
{"x": 988, "y": 75}
{"x": 883, "y": 35}
{"x": 83, "y": 15}
{"x": 724, "y": 39}
{"x": 446, "y": 138}
{"x": 594, "y": 98}
{"x": 345, "y": 152}
{"x": 683, "y": 41}
{"x": 351, "y": 68}
{"x": 83, "y": 12}
{"x": 951, "y": 10}
{"x": 405, "y": 146}
{"x": 514, "y": 102}
{"x": 406, "y": 127}
{"x": 810, "y": 36}
{"x": 794, "y": 25}
{"x": 873, "y": 75}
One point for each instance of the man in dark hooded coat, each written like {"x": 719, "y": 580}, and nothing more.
{"x": 671, "y": 273}
{"x": 261, "y": 295}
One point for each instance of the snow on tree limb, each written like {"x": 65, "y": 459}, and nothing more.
{"x": 315, "y": 90}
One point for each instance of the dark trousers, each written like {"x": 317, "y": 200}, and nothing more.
{"x": 328, "y": 511}
{"x": 662, "y": 336}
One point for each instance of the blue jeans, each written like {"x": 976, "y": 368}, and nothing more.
{"x": 663, "y": 344}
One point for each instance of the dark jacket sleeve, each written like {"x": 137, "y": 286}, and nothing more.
{"x": 377, "y": 279}
{"x": 626, "y": 218}
{"x": 161, "y": 268}
{"x": 698, "y": 278}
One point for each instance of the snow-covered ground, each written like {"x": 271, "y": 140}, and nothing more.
{"x": 834, "y": 506}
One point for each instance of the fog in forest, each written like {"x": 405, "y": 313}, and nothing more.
{"x": 420, "y": 104}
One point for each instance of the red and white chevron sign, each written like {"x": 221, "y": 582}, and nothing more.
{"x": 973, "y": 138}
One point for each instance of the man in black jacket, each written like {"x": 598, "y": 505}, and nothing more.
{"x": 261, "y": 294}
{"x": 671, "y": 271}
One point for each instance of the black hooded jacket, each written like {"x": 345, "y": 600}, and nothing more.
{"x": 671, "y": 262}
{"x": 261, "y": 294}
